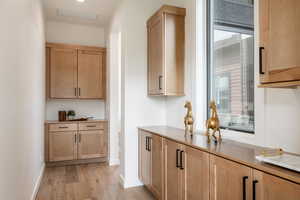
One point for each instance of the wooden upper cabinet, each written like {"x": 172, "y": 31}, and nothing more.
{"x": 268, "y": 187}
{"x": 63, "y": 73}
{"x": 229, "y": 180}
{"x": 155, "y": 48}
{"x": 91, "y": 76}
{"x": 75, "y": 72}
{"x": 279, "y": 43}
{"x": 92, "y": 144}
{"x": 166, "y": 49}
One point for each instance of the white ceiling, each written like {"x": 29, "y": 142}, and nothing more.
{"x": 90, "y": 12}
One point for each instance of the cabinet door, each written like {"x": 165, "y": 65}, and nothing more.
{"x": 157, "y": 166}
{"x": 62, "y": 146}
{"x": 172, "y": 172}
{"x": 91, "y": 74}
{"x": 229, "y": 180}
{"x": 195, "y": 175}
{"x": 92, "y": 144}
{"x": 279, "y": 35}
{"x": 144, "y": 158}
{"x": 63, "y": 73}
{"x": 155, "y": 57}
{"x": 48, "y": 53}
{"x": 268, "y": 187}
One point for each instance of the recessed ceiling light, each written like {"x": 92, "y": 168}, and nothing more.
{"x": 81, "y": 1}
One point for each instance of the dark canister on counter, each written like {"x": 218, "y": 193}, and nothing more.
{"x": 62, "y": 116}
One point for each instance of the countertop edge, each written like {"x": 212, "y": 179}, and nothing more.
{"x": 72, "y": 122}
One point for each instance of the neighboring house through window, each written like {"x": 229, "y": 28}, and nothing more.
{"x": 231, "y": 62}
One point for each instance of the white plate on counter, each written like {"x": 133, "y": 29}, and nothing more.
{"x": 286, "y": 160}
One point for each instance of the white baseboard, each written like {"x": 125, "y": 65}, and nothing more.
{"x": 125, "y": 184}
{"x": 38, "y": 183}
{"x": 121, "y": 180}
{"x": 114, "y": 162}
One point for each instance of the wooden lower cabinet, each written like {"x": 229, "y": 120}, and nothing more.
{"x": 157, "y": 167}
{"x": 91, "y": 144}
{"x": 229, "y": 180}
{"x": 268, "y": 187}
{"x": 174, "y": 171}
{"x": 62, "y": 146}
{"x": 144, "y": 158}
{"x": 75, "y": 141}
{"x": 186, "y": 172}
{"x": 196, "y": 174}
{"x": 151, "y": 163}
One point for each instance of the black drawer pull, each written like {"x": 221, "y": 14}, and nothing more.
{"x": 244, "y": 187}
{"x": 147, "y": 143}
{"x": 181, "y": 160}
{"x": 261, "y": 60}
{"x": 63, "y": 127}
{"x": 159, "y": 82}
{"x": 91, "y": 126}
{"x": 254, "y": 189}
{"x": 177, "y": 160}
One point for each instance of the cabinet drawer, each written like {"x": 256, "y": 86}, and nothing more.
{"x": 91, "y": 126}
{"x": 62, "y": 127}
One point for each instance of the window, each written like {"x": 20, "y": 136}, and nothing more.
{"x": 231, "y": 62}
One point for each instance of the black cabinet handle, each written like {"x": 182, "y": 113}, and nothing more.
{"x": 159, "y": 82}
{"x": 254, "y": 189}
{"x": 146, "y": 143}
{"x": 181, "y": 160}
{"x": 91, "y": 126}
{"x": 177, "y": 160}
{"x": 261, "y": 60}
{"x": 244, "y": 187}
{"x": 149, "y": 143}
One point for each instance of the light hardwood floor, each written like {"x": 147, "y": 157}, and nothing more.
{"x": 87, "y": 182}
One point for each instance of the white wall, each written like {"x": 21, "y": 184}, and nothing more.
{"x": 114, "y": 95}
{"x": 22, "y": 105}
{"x": 83, "y": 35}
{"x": 175, "y": 105}
{"x": 137, "y": 108}
{"x": 83, "y": 108}
{"x": 61, "y": 32}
